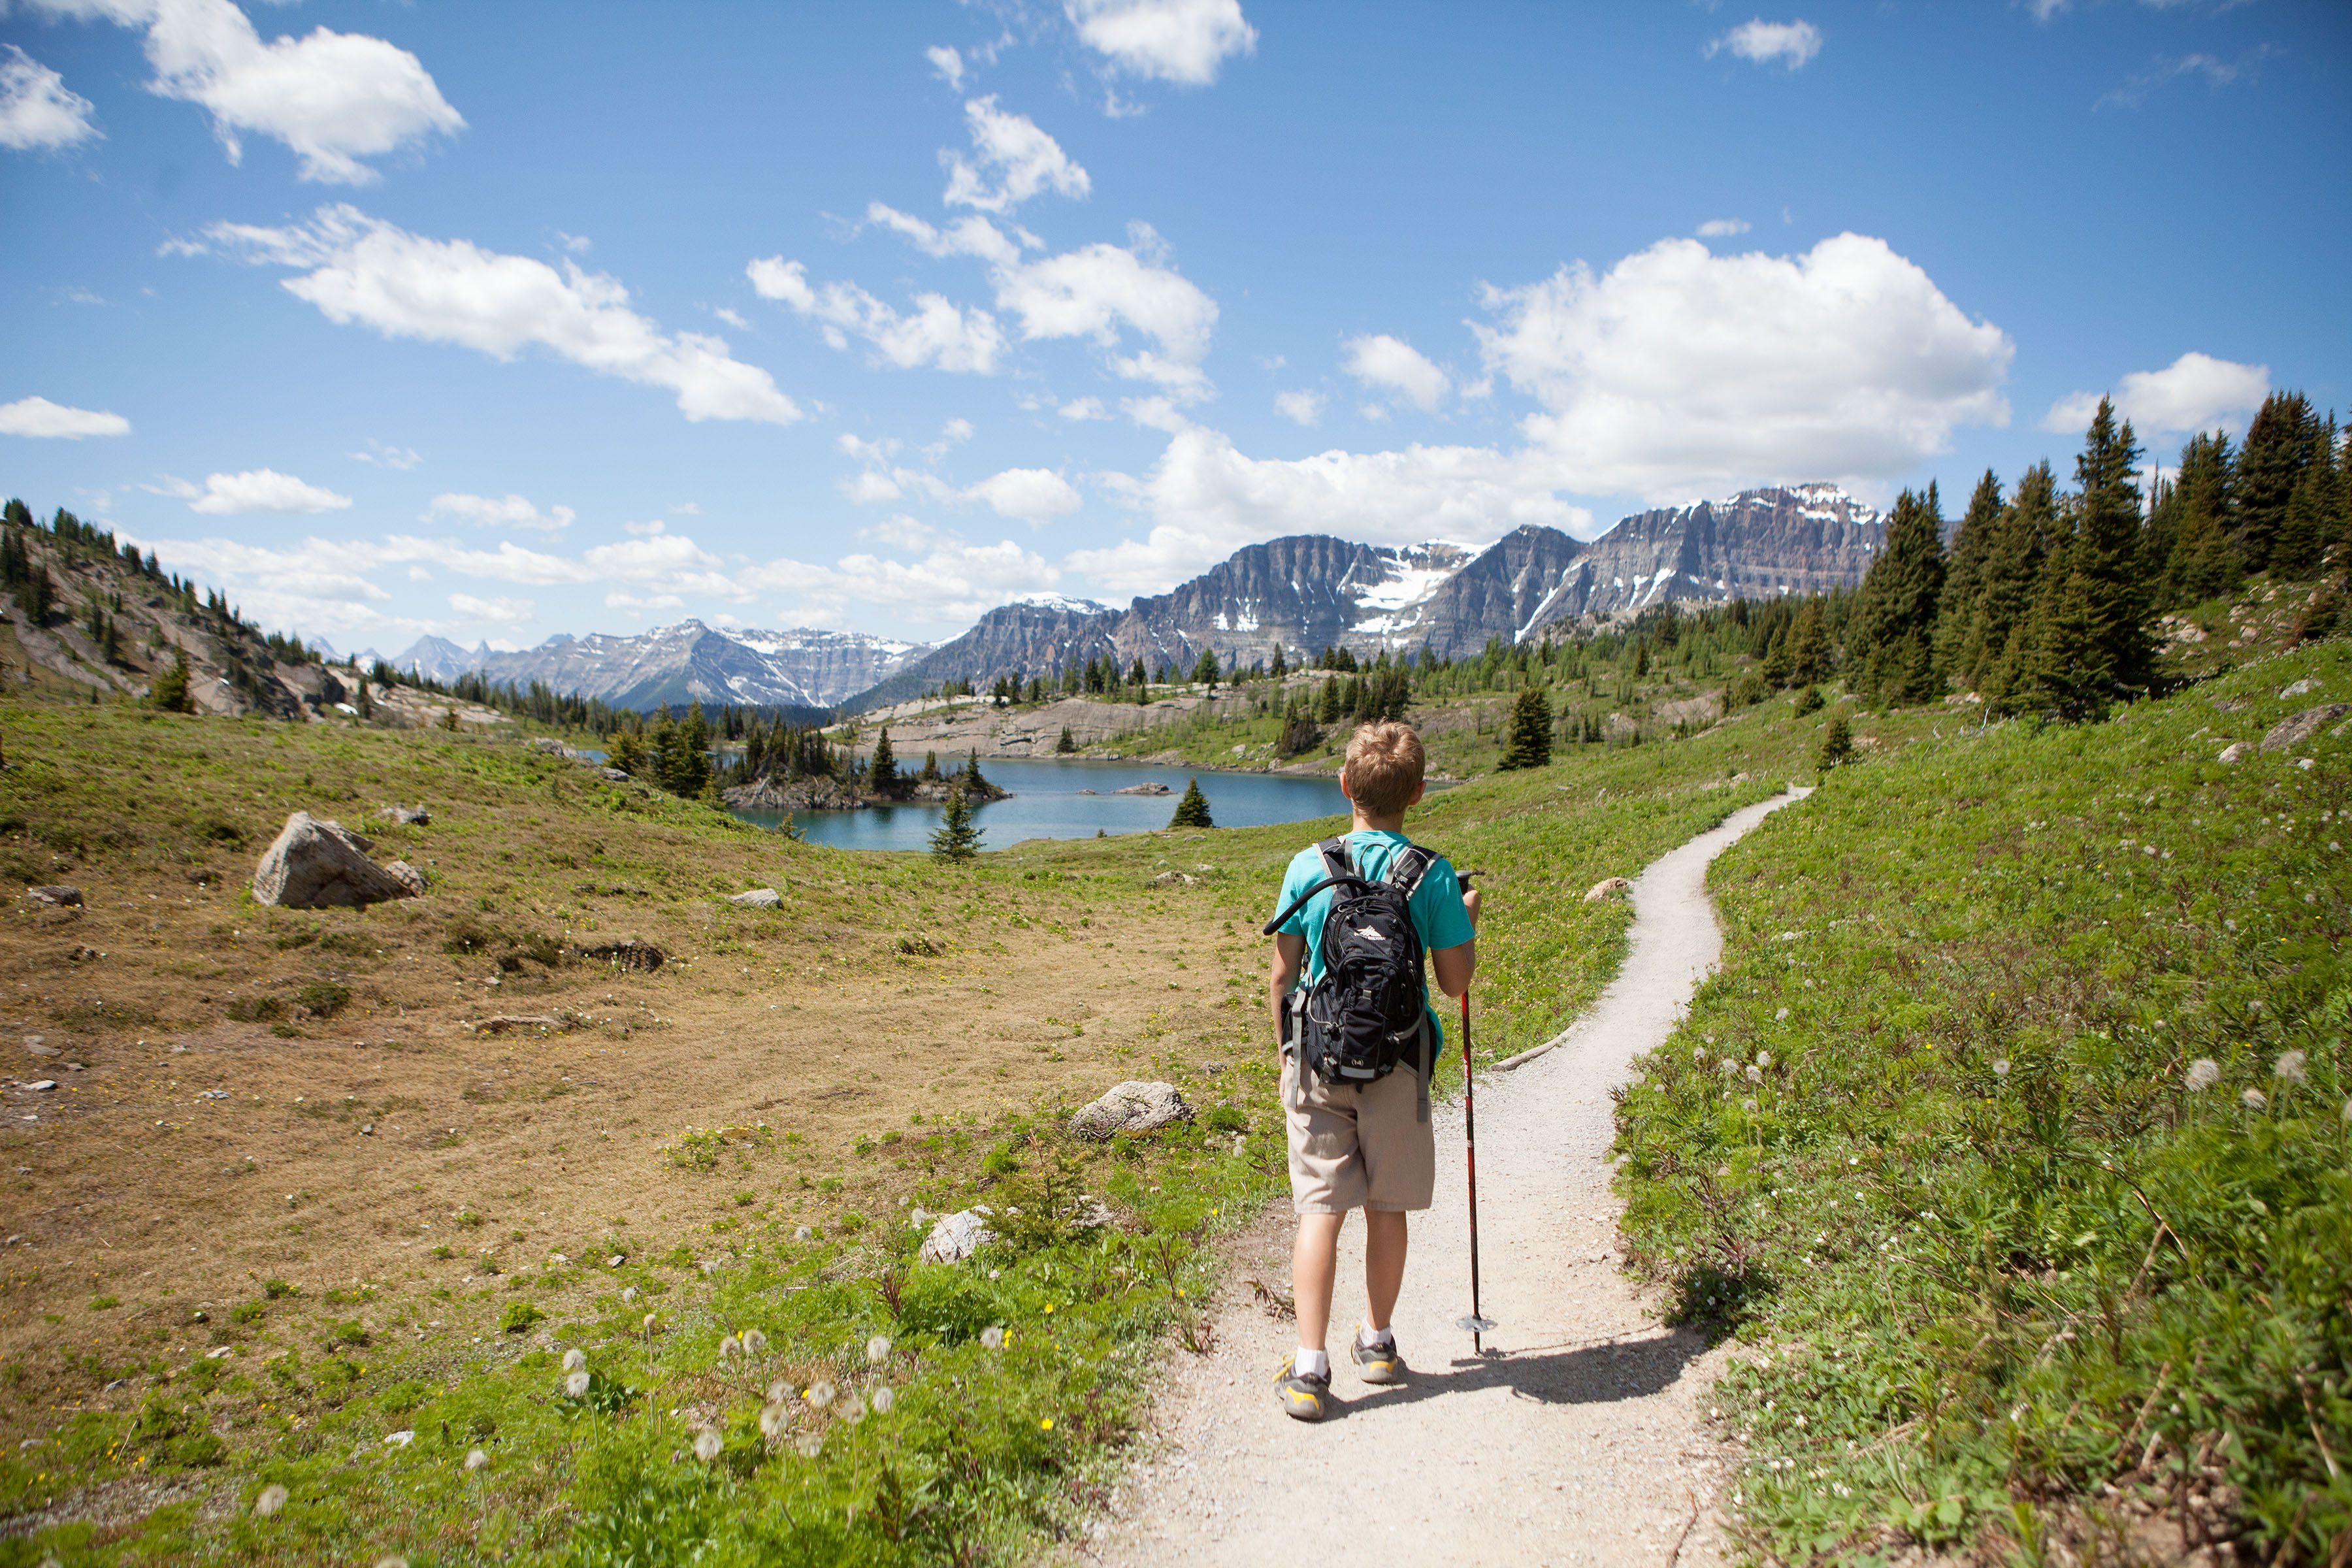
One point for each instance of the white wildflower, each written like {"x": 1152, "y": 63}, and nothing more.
{"x": 883, "y": 1400}
{"x": 801, "y": 1233}
{"x": 476, "y": 1458}
{"x": 574, "y": 1358}
{"x": 2255, "y": 1099}
{"x": 877, "y": 1350}
{"x": 708, "y": 1444}
{"x": 2288, "y": 1068}
{"x": 2203, "y": 1074}
{"x": 991, "y": 1338}
{"x": 272, "y": 1499}
{"x": 576, "y": 1384}
{"x": 819, "y": 1394}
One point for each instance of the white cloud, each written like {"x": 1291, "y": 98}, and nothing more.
{"x": 1024, "y": 160}
{"x": 1035, "y": 496}
{"x": 1084, "y": 408}
{"x": 1679, "y": 373}
{"x": 1301, "y": 407}
{"x": 37, "y": 108}
{"x": 1764, "y": 42}
{"x": 454, "y": 292}
{"x": 647, "y": 529}
{"x": 263, "y": 489}
{"x": 1181, "y": 41}
{"x": 332, "y": 97}
{"x": 732, "y": 317}
{"x": 2195, "y": 392}
{"x": 2217, "y": 73}
{"x": 1379, "y": 360}
{"x": 1207, "y": 500}
{"x": 948, "y": 63}
{"x": 1722, "y": 227}
{"x": 496, "y": 511}
{"x": 972, "y": 235}
{"x": 400, "y": 457}
{"x": 39, "y": 416}
{"x": 503, "y": 610}
{"x": 1098, "y": 289}
{"x": 953, "y": 584}
{"x": 939, "y": 334}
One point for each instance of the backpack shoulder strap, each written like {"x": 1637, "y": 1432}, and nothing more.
{"x": 1408, "y": 867}
{"x": 1336, "y": 860}
{"x": 1338, "y": 868}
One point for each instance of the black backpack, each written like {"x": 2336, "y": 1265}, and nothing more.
{"x": 1368, "y": 1012}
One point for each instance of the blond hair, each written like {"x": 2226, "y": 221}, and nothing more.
{"x": 1384, "y": 767}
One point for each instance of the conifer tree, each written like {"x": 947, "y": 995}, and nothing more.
{"x": 691, "y": 774}
{"x": 968, "y": 777}
{"x": 1065, "y": 744}
{"x": 628, "y": 750}
{"x": 1837, "y": 744}
{"x": 2106, "y": 554}
{"x": 1641, "y": 658}
{"x": 956, "y": 839}
{"x": 2280, "y": 443}
{"x": 169, "y": 691}
{"x": 1964, "y": 574}
{"x": 882, "y": 772}
{"x": 2008, "y": 575}
{"x": 1897, "y": 615}
{"x": 1193, "y": 810}
{"x": 1277, "y": 669}
{"x": 2305, "y": 532}
{"x": 16, "y": 514}
{"x": 1138, "y": 676}
{"x": 930, "y": 773}
{"x": 1529, "y": 745}
{"x": 2201, "y": 561}
{"x": 1205, "y": 672}
{"x": 1327, "y": 702}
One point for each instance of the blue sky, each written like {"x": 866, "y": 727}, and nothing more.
{"x": 497, "y": 321}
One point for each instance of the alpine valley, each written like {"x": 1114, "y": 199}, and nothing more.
{"x": 1304, "y": 592}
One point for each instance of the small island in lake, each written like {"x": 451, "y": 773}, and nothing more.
{"x": 813, "y": 776}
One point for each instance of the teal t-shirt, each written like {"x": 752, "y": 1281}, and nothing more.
{"x": 1438, "y": 914}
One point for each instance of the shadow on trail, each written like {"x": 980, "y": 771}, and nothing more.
{"x": 1586, "y": 1375}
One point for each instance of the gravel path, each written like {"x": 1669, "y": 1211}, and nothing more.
{"x": 1579, "y": 1438}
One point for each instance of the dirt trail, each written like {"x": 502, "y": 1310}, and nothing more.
{"x": 1581, "y": 1442}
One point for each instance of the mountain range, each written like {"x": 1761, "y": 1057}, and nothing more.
{"x": 1302, "y": 593}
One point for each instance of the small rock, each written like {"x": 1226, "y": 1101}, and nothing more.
{"x": 220, "y": 1354}
{"x": 406, "y": 815}
{"x": 315, "y": 864}
{"x": 615, "y": 775}
{"x": 35, "y": 1041}
{"x": 758, "y": 899}
{"x": 368, "y": 1130}
{"x": 2299, "y": 689}
{"x": 400, "y": 1439}
{"x": 408, "y": 876}
{"x": 2233, "y": 752}
{"x": 39, "y": 1050}
{"x": 1212, "y": 1067}
{"x": 1131, "y": 1106}
{"x": 1172, "y": 880}
{"x": 55, "y": 895}
{"x": 2294, "y": 731}
{"x": 43, "y": 1084}
{"x": 1607, "y": 887}
{"x": 957, "y": 1237}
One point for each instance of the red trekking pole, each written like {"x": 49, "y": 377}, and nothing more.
{"x": 1478, "y": 1325}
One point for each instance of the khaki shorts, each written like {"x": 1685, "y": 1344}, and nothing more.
{"x": 1358, "y": 1147}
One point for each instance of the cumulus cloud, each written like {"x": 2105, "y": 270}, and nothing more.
{"x": 400, "y": 457}
{"x": 953, "y": 583}
{"x": 1182, "y": 41}
{"x": 1679, "y": 373}
{"x": 1079, "y": 408}
{"x": 939, "y": 334}
{"x": 38, "y": 417}
{"x": 496, "y": 511}
{"x": 1379, "y": 360}
{"x": 1722, "y": 227}
{"x": 2195, "y": 392}
{"x": 37, "y": 109}
{"x": 503, "y": 610}
{"x": 404, "y": 285}
{"x": 1012, "y": 160}
{"x": 1301, "y": 407}
{"x": 1035, "y": 496}
{"x": 332, "y": 97}
{"x": 1764, "y": 42}
{"x": 259, "y": 490}
{"x": 948, "y": 63}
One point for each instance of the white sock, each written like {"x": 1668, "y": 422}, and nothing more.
{"x": 1371, "y": 1338}
{"x": 1310, "y": 1363}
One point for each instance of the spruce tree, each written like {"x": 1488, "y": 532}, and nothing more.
{"x": 169, "y": 691}
{"x": 2106, "y": 554}
{"x": 2008, "y": 575}
{"x": 1277, "y": 669}
{"x": 1193, "y": 810}
{"x": 1809, "y": 644}
{"x": 2201, "y": 562}
{"x": 1066, "y": 745}
{"x": 692, "y": 775}
{"x": 1837, "y": 744}
{"x": 2280, "y": 443}
{"x": 967, "y": 778}
{"x": 1529, "y": 744}
{"x": 956, "y": 839}
{"x": 1896, "y": 616}
{"x": 1327, "y": 702}
{"x": 882, "y": 772}
{"x": 1205, "y": 672}
{"x": 1964, "y": 574}
{"x": 2304, "y": 532}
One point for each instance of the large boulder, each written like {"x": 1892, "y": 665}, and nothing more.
{"x": 955, "y": 1236}
{"x": 2294, "y": 731}
{"x": 1131, "y": 1106}
{"x": 317, "y": 865}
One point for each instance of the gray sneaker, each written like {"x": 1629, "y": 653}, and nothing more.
{"x": 1378, "y": 1363}
{"x": 1304, "y": 1398}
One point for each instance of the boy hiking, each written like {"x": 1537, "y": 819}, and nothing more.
{"x": 1359, "y": 1046}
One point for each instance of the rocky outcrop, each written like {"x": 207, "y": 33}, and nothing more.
{"x": 770, "y": 793}
{"x": 315, "y": 864}
{"x": 1131, "y": 1106}
{"x": 2295, "y": 731}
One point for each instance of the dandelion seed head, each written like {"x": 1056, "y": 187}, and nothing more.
{"x": 729, "y": 1347}
{"x": 2289, "y": 1067}
{"x": 778, "y": 1391}
{"x": 651, "y": 1323}
{"x": 476, "y": 1458}
{"x": 877, "y": 1349}
{"x": 574, "y": 1358}
{"x": 991, "y": 1338}
{"x": 883, "y": 1400}
{"x": 771, "y": 1422}
{"x": 576, "y": 1384}
{"x": 2001, "y": 1067}
{"x": 273, "y": 1498}
{"x": 2203, "y": 1074}
{"x": 2255, "y": 1099}
{"x": 819, "y": 1394}
{"x": 708, "y": 1444}
{"x": 1699, "y": 1055}
{"x": 852, "y": 1410}
{"x": 809, "y": 1445}
{"x": 1763, "y": 1059}
{"x": 1755, "y": 1074}
{"x": 801, "y": 1233}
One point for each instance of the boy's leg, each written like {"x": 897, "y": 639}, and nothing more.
{"x": 1384, "y": 1249}
{"x": 1314, "y": 1265}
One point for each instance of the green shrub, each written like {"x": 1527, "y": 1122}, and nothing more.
{"x": 518, "y": 1318}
